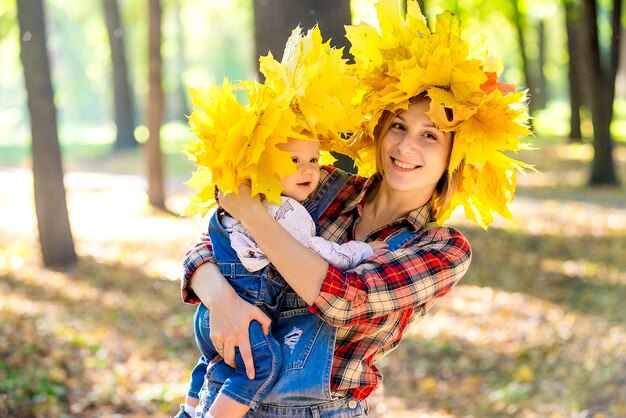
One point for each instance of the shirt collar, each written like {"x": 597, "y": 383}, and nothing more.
{"x": 418, "y": 218}
{"x": 421, "y": 216}
{"x": 358, "y": 199}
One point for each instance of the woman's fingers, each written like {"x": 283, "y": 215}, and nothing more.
{"x": 264, "y": 320}
{"x": 234, "y": 332}
{"x": 237, "y": 204}
{"x": 229, "y": 354}
{"x": 248, "y": 361}
{"x": 245, "y": 349}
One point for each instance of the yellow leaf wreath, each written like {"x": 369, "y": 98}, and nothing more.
{"x": 308, "y": 95}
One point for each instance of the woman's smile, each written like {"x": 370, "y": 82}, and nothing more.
{"x": 403, "y": 165}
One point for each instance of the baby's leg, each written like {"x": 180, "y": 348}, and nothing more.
{"x": 225, "y": 407}
{"x": 239, "y": 393}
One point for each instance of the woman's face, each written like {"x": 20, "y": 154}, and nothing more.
{"x": 414, "y": 154}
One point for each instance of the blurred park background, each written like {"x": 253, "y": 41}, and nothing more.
{"x": 93, "y": 105}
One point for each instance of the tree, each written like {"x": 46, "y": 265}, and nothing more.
{"x": 540, "y": 95}
{"x": 124, "y": 109}
{"x": 275, "y": 19}
{"x": 519, "y": 20}
{"x": 55, "y": 236}
{"x": 156, "y": 105}
{"x": 577, "y": 68}
{"x": 602, "y": 74}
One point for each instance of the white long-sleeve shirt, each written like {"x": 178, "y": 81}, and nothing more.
{"x": 292, "y": 216}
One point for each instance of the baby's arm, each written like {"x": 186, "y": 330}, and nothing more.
{"x": 294, "y": 218}
{"x": 347, "y": 255}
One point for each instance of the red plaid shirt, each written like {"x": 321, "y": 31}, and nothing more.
{"x": 373, "y": 304}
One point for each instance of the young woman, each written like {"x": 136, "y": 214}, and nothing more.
{"x": 436, "y": 131}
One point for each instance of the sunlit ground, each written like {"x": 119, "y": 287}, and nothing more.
{"x": 535, "y": 329}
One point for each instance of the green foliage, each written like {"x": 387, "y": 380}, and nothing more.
{"x": 205, "y": 41}
{"x": 8, "y": 19}
{"x": 217, "y": 41}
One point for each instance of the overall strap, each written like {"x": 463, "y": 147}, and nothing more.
{"x": 222, "y": 249}
{"x": 400, "y": 238}
{"x": 327, "y": 193}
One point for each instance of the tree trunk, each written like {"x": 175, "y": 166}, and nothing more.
{"x": 602, "y": 79}
{"x": 541, "y": 95}
{"x": 274, "y": 20}
{"x": 533, "y": 90}
{"x": 55, "y": 236}
{"x": 575, "y": 72}
{"x": 154, "y": 162}
{"x": 124, "y": 109}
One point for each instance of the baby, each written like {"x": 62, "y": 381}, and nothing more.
{"x": 249, "y": 271}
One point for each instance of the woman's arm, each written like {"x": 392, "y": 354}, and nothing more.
{"x": 230, "y": 315}
{"x": 302, "y": 268}
{"x": 411, "y": 277}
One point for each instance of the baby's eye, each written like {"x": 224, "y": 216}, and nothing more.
{"x": 295, "y": 160}
{"x": 314, "y": 160}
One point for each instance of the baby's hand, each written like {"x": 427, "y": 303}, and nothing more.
{"x": 378, "y": 245}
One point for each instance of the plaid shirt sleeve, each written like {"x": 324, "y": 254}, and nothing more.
{"x": 410, "y": 277}
{"x": 200, "y": 253}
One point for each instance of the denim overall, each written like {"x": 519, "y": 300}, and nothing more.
{"x": 307, "y": 343}
{"x": 265, "y": 289}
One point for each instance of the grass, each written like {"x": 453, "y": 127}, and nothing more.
{"x": 535, "y": 329}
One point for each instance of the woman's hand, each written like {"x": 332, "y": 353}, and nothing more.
{"x": 241, "y": 206}
{"x": 230, "y": 315}
{"x": 229, "y": 322}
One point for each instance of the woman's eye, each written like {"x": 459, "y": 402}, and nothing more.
{"x": 430, "y": 136}
{"x": 295, "y": 160}
{"x": 397, "y": 126}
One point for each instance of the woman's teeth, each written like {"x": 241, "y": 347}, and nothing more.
{"x": 404, "y": 165}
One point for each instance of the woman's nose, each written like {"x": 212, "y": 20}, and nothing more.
{"x": 407, "y": 145}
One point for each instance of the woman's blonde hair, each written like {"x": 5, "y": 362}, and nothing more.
{"x": 448, "y": 184}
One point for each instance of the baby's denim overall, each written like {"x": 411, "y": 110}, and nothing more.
{"x": 307, "y": 345}
{"x": 265, "y": 289}
{"x": 303, "y": 387}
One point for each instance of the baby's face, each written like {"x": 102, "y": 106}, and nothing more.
{"x": 305, "y": 155}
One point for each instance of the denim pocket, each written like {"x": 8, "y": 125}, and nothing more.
{"x": 297, "y": 332}
{"x": 307, "y": 344}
